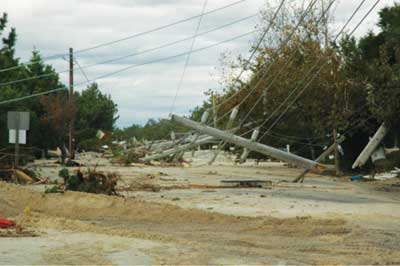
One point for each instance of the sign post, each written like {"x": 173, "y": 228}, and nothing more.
{"x": 16, "y": 140}
{"x": 17, "y": 121}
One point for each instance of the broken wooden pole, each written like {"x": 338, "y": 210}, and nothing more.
{"x": 337, "y": 161}
{"x": 203, "y": 120}
{"x": 371, "y": 146}
{"x": 203, "y": 140}
{"x": 254, "y": 146}
{"x": 320, "y": 158}
{"x": 232, "y": 118}
{"x": 182, "y": 148}
{"x": 246, "y": 151}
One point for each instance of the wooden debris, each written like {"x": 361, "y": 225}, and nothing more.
{"x": 19, "y": 176}
{"x": 248, "y": 183}
{"x": 22, "y": 177}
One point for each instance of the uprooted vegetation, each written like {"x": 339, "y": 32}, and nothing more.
{"x": 90, "y": 182}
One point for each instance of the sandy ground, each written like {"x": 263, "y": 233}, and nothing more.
{"x": 323, "y": 221}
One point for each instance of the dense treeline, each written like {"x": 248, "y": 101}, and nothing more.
{"x": 50, "y": 114}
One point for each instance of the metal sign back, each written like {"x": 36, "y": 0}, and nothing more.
{"x": 18, "y": 120}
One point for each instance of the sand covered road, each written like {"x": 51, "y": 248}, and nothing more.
{"x": 96, "y": 229}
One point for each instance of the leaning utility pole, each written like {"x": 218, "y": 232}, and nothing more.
{"x": 246, "y": 151}
{"x": 322, "y": 157}
{"x": 371, "y": 146}
{"x": 71, "y": 102}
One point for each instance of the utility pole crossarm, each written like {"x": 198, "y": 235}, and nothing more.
{"x": 254, "y": 146}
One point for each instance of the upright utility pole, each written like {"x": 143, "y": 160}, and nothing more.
{"x": 70, "y": 98}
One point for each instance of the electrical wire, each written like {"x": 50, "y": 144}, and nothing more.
{"x": 138, "y": 65}
{"x": 188, "y": 58}
{"x": 341, "y": 31}
{"x": 56, "y": 56}
{"x": 82, "y": 71}
{"x": 31, "y": 96}
{"x": 132, "y": 54}
{"x": 318, "y": 63}
{"x": 281, "y": 71}
{"x": 173, "y": 56}
{"x": 276, "y": 54}
{"x": 248, "y": 61}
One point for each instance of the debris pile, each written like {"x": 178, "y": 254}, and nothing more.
{"x": 395, "y": 173}
{"x": 130, "y": 157}
{"x": 90, "y": 182}
{"x": 21, "y": 176}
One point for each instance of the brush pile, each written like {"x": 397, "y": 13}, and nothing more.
{"x": 90, "y": 182}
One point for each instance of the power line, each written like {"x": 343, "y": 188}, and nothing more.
{"x": 341, "y": 31}
{"x": 171, "y": 43}
{"x": 188, "y": 57}
{"x": 55, "y": 56}
{"x": 133, "y": 54}
{"x": 281, "y": 71}
{"x": 286, "y": 41}
{"x": 31, "y": 96}
{"x": 142, "y": 64}
{"x": 317, "y": 64}
{"x": 173, "y": 56}
{"x": 82, "y": 71}
{"x": 248, "y": 61}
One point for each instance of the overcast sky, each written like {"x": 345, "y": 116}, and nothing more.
{"x": 147, "y": 91}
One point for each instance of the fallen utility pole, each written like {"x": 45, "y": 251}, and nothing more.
{"x": 182, "y": 148}
{"x": 371, "y": 146}
{"x": 246, "y": 151}
{"x": 163, "y": 145}
{"x": 203, "y": 140}
{"x": 320, "y": 158}
{"x": 254, "y": 146}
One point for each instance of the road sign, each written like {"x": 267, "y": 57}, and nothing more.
{"x": 12, "y": 136}
{"x": 18, "y": 120}
{"x": 18, "y": 123}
